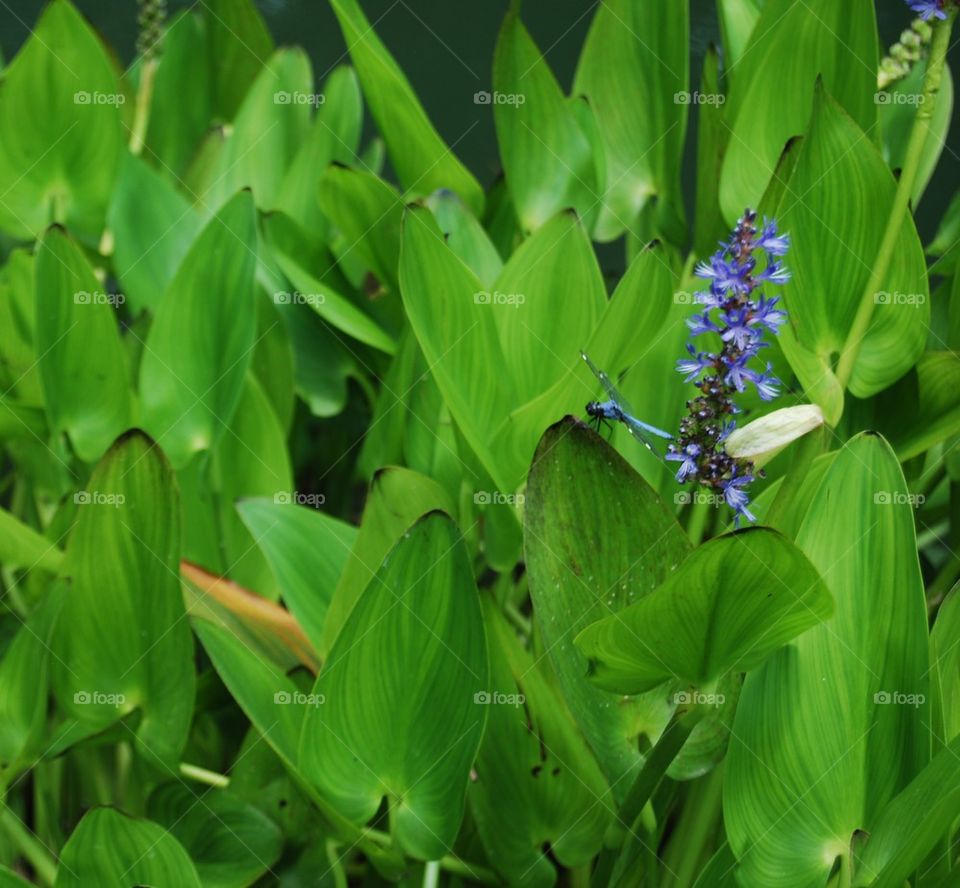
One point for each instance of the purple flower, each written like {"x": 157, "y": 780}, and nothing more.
{"x": 736, "y": 497}
{"x": 771, "y": 242}
{"x": 928, "y": 9}
{"x": 741, "y": 316}
{"x": 687, "y": 459}
{"x": 698, "y": 361}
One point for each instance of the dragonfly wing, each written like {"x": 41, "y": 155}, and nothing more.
{"x": 640, "y": 431}
{"x": 608, "y": 386}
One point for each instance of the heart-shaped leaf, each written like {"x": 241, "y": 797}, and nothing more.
{"x": 190, "y": 387}
{"x": 123, "y": 642}
{"x": 408, "y": 731}
{"x": 833, "y": 726}
{"x": 733, "y": 602}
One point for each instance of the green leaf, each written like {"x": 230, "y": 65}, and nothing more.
{"x": 337, "y": 310}
{"x": 896, "y": 119}
{"x": 202, "y": 338}
{"x": 596, "y": 539}
{"x": 238, "y": 47}
{"x": 712, "y": 137}
{"x": 83, "y": 367}
{"x": 913, "y": 823}
{"x": 633, "y": 69}
{"x": 769, "y": 103}
{"x": 847, "y": 188}
{"x": 60, "y": 115}
{"x": 397, "y": 498}
{"x": 110, "y": 848}
{"x": 737, "y": 18}
{"x": 122, "y": 642}
{"x": 547, "y": 157}
{"x": 270, "y": 126}
{"x": 422, "y": 160}
{"x": 262, "y": 690}
{"x": 153, "y": 226}
{"x": 25, "y": 677}
{"x": 9, "y": 879}
{"x": 732, "y": 603}
{"x": 334, "y": 136}
{"x": 833, "y": 726}
{"x": 457, "y": 330}
{"x": 466, "y": 236}
{"x": 537, "y": 783}
{"x": 22, "y": 546}
{"x": 946, "y": 668}
{"x": 307, "y": 551}
{"x": 410, "y": 732}
{"x": 230, "y": 841}
{"x": 546, "y": 299}
{"x": 368, "y": 212}
{"x": 179, "y": 118}
{"x": 925, "y": 410}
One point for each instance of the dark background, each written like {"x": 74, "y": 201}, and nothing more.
{"x": 446, "y": 49}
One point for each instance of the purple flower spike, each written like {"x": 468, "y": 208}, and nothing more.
{"x": 737, "y": 317}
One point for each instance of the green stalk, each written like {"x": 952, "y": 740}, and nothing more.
{"x": 141, "y": 114}
{"x": 202, "y": 775}
{"x": 901, "y": 202}
{"x": 654, "y": 768}
{"x": 26, "y": 843}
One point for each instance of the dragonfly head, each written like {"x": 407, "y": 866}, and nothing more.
{"x": 594, "y": 409}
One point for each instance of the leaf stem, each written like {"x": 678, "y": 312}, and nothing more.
{"x": 141, "y": 115}
{"x": 27, "y": 844}
{"x": 901, "y": 202}
{"x": 202, "y": 775}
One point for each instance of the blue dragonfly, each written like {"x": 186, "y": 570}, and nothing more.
{"x": 618, "y": 409}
